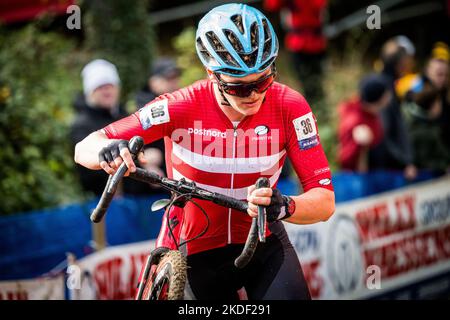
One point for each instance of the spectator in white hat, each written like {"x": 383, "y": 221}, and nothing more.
{"x": 96, "y": 107}
{"x": 101, "y": 84}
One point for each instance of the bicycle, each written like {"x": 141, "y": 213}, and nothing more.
{"x": 164, "y": 274}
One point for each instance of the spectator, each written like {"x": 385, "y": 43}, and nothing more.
{"x": 422, "y": 112}
{"x": 164, "y": 78}
{"x": 305, "y": 40}
{"x": 407, "y": 76}
{"x": 435, "y": 75}
{"x": 437, "y": 71}
{"x": 96, "y": 108}
{"x": 360, "y": 123}
{"x": 395, "y": 150}
{"x": 437, "y": 67}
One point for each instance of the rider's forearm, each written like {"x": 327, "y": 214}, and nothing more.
{"x": 313, "y": 206}
{"x": 87, "y": 150}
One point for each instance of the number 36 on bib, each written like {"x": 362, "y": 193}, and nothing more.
{"x": 154, "y": 113}
{"x": 305, "y": 128}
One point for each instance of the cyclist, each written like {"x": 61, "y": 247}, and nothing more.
{"x": 224, "y": 133}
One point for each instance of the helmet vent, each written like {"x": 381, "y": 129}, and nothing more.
{"x": 267, "y": 64}
{"x": 254, "y": 35}
{"x": 219, "y": 48}
{"x": 214, "y": 41}
{"x": 232, "y": 71}
{"x": 237, "y": 46}
{"x": 205, "y": 54}
{"x": 267, "y": 41}
{"x": 237, "y": 20}
{"x": 251, "y": 57}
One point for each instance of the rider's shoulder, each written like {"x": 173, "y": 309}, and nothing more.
{"x": 292, "y": 100}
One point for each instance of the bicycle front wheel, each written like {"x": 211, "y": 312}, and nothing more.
{"x": 167, "y": 279}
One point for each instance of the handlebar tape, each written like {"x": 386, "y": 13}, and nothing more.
{"x": 262, "y": 221}
{"x": 249, "y": 247}
{"x": 228, "y": 202}
{"x": 257, "y": 230}
{"x": 135, "y": 145}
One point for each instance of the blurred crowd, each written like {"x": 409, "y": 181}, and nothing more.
{"x": 399, "y": 120}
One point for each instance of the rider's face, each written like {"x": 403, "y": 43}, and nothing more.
{"x": 251, "y": 104}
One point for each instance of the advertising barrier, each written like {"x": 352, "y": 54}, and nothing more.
{"x": 111, "y": 274}
{"x": 33, "y": 289}
{"x": 386, "y": 245}
{"x": 394, "y": 245}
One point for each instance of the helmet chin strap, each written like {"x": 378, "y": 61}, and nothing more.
{"x": 225, "y": 101}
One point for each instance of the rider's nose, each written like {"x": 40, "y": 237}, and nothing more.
{"x": 253, "y": 95}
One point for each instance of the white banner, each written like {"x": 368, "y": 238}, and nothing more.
{"x": 111, "y": 274}
{"x": 33, "y": 289}
{"x": 377, "y": 244}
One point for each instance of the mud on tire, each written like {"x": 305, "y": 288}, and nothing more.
{"x": 167, "y": 279}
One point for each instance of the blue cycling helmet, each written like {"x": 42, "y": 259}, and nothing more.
{"x": 236, "y": 40}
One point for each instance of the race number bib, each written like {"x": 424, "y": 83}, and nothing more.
{"x": 306, "y": 131}
{"x": 154, "y": 113}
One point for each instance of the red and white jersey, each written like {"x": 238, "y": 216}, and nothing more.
{"x": 204, "y": 146}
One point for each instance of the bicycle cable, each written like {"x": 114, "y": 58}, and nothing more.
{"x": 178, "y": 245}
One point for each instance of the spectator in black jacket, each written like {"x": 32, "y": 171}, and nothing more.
{"x": 395, "y": 151}
{"x": 437, "y": 70}
{"x": 164, "y": 77}
{"x": 96, "y": 107}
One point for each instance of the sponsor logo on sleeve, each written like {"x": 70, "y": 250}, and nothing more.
{"x": 324, "y": 182}
{"x": 322, "y": 170}
{"x": 154, "y": 114}
{"x": 306, "y": 131}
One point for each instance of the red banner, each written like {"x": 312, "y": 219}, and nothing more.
{"x": 24, "y": 10}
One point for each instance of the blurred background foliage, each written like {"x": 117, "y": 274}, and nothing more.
{"x": 36, "y": 166}
{"x": 120, "y": 31}
{"x": 39, "y": 77}
{"x": 187, "y": 59}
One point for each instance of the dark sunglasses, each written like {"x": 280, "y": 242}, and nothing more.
{"x": 243, "y": 90}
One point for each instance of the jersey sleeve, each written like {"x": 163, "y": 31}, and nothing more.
{"x": 154, "y": 121}
{"x": 303, "y": 144}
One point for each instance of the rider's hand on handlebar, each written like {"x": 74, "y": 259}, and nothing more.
{"x": 278, "y": 206}
{"x": 112, "y": 156}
